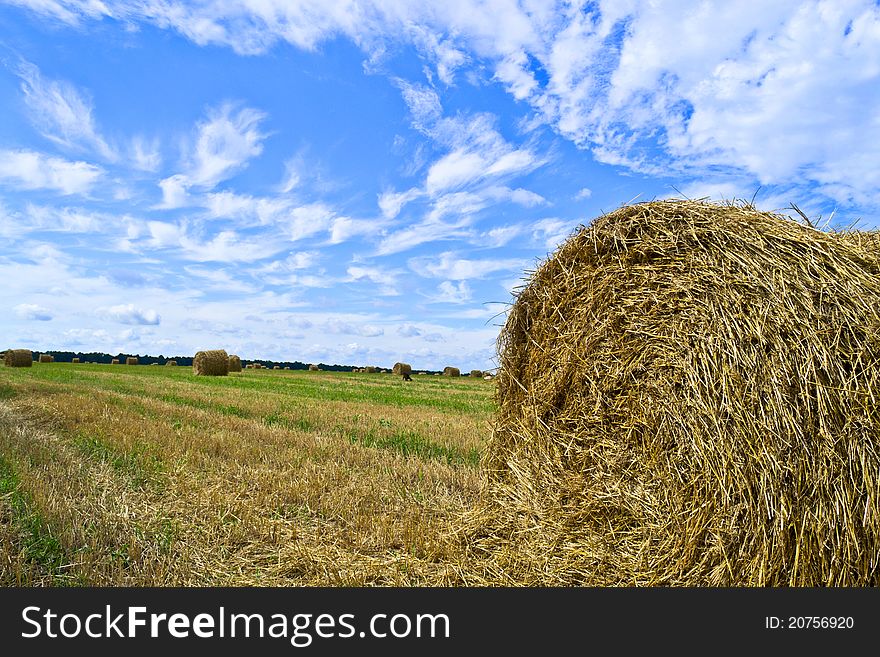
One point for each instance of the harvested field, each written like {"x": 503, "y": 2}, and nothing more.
{"x": 266, "y": 478}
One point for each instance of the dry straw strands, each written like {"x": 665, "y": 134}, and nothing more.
{"x": 131, "y": 360}
{"x": 234, "y": 363}
{"x": 402, "y": 368}
{"x": 451, "y": 371}
{"x": 214, "y": 362}
{"x": 18, "y": 358}
{"x": 46, "y": 358}
{"x": 688, "y": 397}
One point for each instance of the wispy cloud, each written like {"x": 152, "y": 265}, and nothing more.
{"x": 226, "y": 140}
{"x": 32, "y": 311}
{"x": 449, "y": 292}
{"x": 449, "y": 266}
{"x": 130, "y": 314}
{"x": 32, "y": 170}
{"x": 62, "y": 112}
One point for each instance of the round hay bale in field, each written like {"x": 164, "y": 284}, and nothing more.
{"x": 214, "y": 362}
{"x": 488, "y": 377}
{"x": 46, "y": 358}
{"x": 115, "y": 361}
{"x": 131, "y": 360}
{"x": 313, "y": 368}
{"x": 18, "y": 358}
{"x": 370, "y": 369}
{"x": 75, "y": 361}
{"x": 234, "y": 363}
{"x": 688, "y": 397}
{"x": 277, "y": 367}
{"x": 436, "y": 373}
{"x": 477, "y": 374}
{"x": 258, "y": 366}
{"x": 287, "y": 368}
{"x": 402, "y": 368}
{"x": 451, "y": 371}
{"x": 171, "y": 363}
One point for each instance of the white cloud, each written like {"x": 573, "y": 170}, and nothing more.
{"x": 32, "y": 311}
{"x": 657, "y": 87}
{"x": 390, "y": 203}
{"x": 32, "y": 170}
{"x": 342, "y": 327}
{"x": 130, "y": 314}
{"x": 448, "y": 266}
{"x": 61, "y": 112}
{"x": 551, "y": 232}
{"x": 583, "y": 193}
{"x": 68, "y": 11}
{"x": 449, "y": 292}
{"x": 145, "y": 155}
{"x": 226, "y": 140}
{"x": 343, "y": 229}
{"x": 174, "y": 192}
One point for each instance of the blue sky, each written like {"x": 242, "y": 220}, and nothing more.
{"x": 367, "y": 182}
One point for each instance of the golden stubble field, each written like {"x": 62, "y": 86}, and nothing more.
{"x": 149, "y": 476}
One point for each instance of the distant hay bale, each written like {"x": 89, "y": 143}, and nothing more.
{"x": 131, "y": 360}
{"x": 488, "y": 377}
{"x": 249, "y": 366}
{"x": 258, "y": 366}
{"x": 688, "y": 397}
{"x": 115, "y": 361}
{"x": 287, "y": 368}
{"x": 171, "y": 363}
{"x": 46, "y": 358}
{"x": 370, "y": 369}
{"x": 234, "y": 363}
{"x": 213, "y": 362}
{"x": 451, "y": 371}
{"x": 402, "y": 368}
{"x": 436, "y": 373}
{"x": 277, "y": 367}
{"x": 477, "y": 374}
{"x": 75, "y": 361}
{"x": 313, "y": 368}
{"x": 18, "y": 358}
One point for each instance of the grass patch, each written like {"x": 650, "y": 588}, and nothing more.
{"x": 140, "y": 467}
{"x": 40, "y": 550}
{"x": 410, "y": 443}
{"x": 7, "y": 391}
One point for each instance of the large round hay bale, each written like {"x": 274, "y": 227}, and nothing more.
{"x": 234, "y": 363}
{"x": 451, "y": 371}
{"x": 477, "y": 374}
{"x": 46, "y": 358}
{"x": 171, "y": 363}
{"x": 18, "y": 358}
{"x": 402, "y": 368}
{"x": 369, "y": 369}
{"x": 258, "y": 366}
{"x": 115, "y": 361}
{"x": 313, "y": 368}
{"x": 131, "y": 360}
{"x": 214, "y": 362}
{"x": 688, "y": 396}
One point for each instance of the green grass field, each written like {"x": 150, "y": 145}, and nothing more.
{"x": 150, "y": 476}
